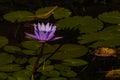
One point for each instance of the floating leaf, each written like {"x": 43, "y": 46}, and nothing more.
{"x": 74, "y": 62}
{"x": 32, "y": 45}
{"x": 51, "y": 73}
{"x": 12, "y": 49}
{"x": 45, "y": 12}
{"x": 61, "y": 67}
{"x": 112, "y": 17}
{"x": 10, "y": 68}
{"x": 22, "y": 75}
{"x": 70, "y": 22}
{"x": 29, "y": 52}
{"x": 3, "y": 41}
{"x": 5, "y": 58}
{"x": 11, "y": 78}
{"x": 3, "y": 76}
{"x": 46, "y": 68}
{"x": 19, "y": 16}
{"x": 89, "y": 25}
{"x": 68, "y": 73}
{"x": 61, "y": 13}
{"x": 86, "y": 24}
{"x": 21, "y": 60}
{"x": 57, "y": 78}
{"x": 70, "y": 51}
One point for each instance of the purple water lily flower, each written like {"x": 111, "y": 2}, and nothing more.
{"x": 44, "y": 32}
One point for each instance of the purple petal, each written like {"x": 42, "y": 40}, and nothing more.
{"x": 51, "y": 35}
{"x": 56, "y": 38}
{"x": 31, "y": 35}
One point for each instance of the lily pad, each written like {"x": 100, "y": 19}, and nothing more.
{"x": 12, "y": 49}
{"x": 45, "y": 12}
{"x": 19, "y": 16}
{"x": 29, "y": 52}
{"x": 3, "y": 76}
{"x": 51, "y": 73}
{"x": 10, "y": 68}
{"x": 57, "y": 78}
{"x": 31, "y": 45}
{"x": 85, "y": 24}
{"x": 5, "y": 58}
{"x": 75, "y": 62}
{"x": 70, "y": 51}
{"x": 68, "y": 73}
{"x": 61, "y": 13}
{"x": 112, "y": 17}
{"x": 3, "y": 41}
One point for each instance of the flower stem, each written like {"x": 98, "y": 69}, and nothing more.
{"x": 38, "y": 58}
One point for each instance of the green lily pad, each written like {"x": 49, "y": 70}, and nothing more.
{"x": 68, "y": 73}
{"x": 61, "y": 67}
{"x": 5, "y": 58}
{"x": 51, "y": 73}
{"x": 3, "y": 76}
{"x": 21, "y": 60}
{"x": 57, "y": 78}
{"x": 86, "y": 24}
{"x": 31, "y": 45}
{"x": 10, "y": 68}
{"x": 19, "y": 16}
{"x": 112, "y": 17}
{"x": 29, "y": 52}
{"x": 22, "y": 75}
{"x": 11, "y": 78}
{"x": 12, "y": 49}
{"x": 45, "y": 12}
{"x": 61, "y": 13}
{"x": 75, "y": 62}
{"x": 3, "y": 41}
{"x": 70, "y": 51}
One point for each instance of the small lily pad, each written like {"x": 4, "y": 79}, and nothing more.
{"x": 3, "y": 41}
{"x": 12, "y": 49}
{"x": 10, "y": 68}
{"x": 57, "y": 78}
{"x": 3, "y": 76}
{"x": 75, "y": 62}
{"x": 31, "y": 45}
{"x": 6, "y": 58}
